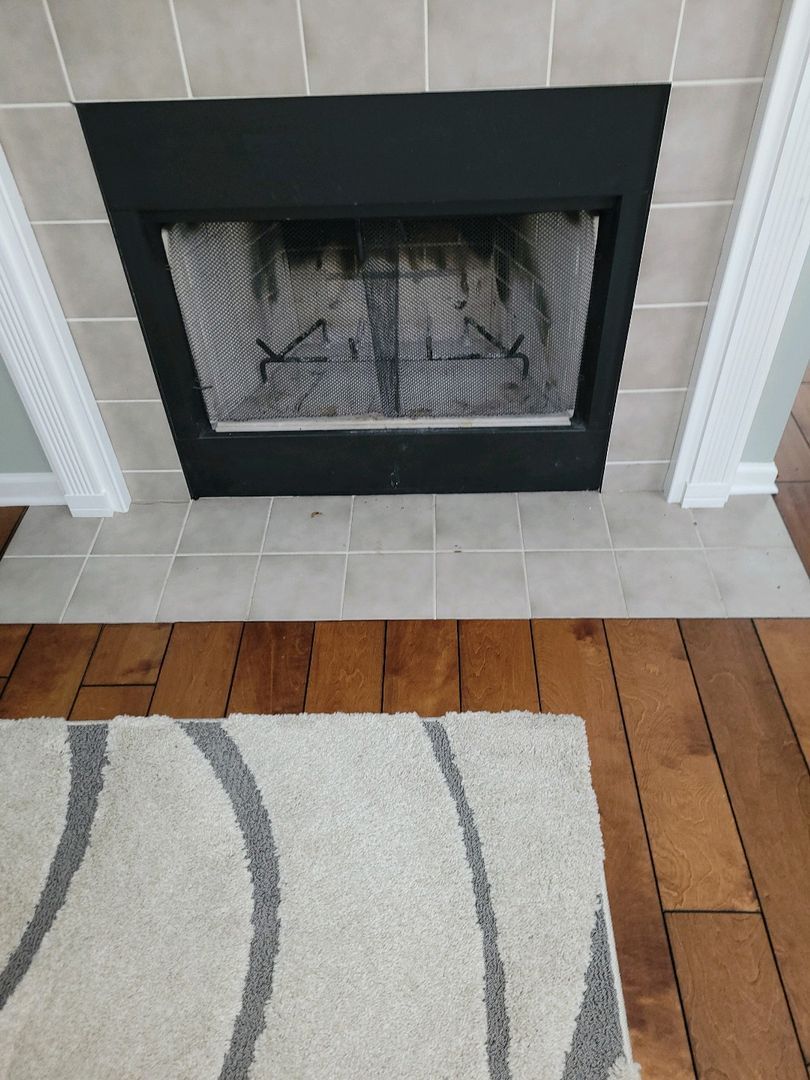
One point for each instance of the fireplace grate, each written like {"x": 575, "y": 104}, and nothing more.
{"x": 386, "y": 320}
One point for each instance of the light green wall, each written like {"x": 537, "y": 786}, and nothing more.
{"x": 789, "y": 365}
{"x": 20, "y": 451}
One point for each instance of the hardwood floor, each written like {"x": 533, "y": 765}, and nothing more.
{"x": 793, "y": 464}
{"x": 698, "y": 734}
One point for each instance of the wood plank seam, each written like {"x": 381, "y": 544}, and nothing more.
{"x": 650, "y": 853}
{"x": 742, "y": 838}
{"x": 17, "y": 660}
{"x": 84, "y": 673}
{"x": 233, "y": 669}
{"x": 781, "y": 697}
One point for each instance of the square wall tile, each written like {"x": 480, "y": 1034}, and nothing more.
{"x": 299, "y": 587}
{"x": 745, "y": 521}
{"x": 389, "y": 587}
{"x": 473, "y": 45}
{"x": 766, "y": 583}
{"x": 118, "y": 589}
{"x": 29, "y": 64}
{"x": 116, "y": 361}
{"x": 634, "y": 476}
{"x": 140, "y": 434}
{"x": 145, "y": 529}
{"x": 644, "y": 519}
{"x": 245, "y": 48}
{"x": 157, "y": 486}
{"x": 574, "y": 585}
{"x": 119, "y": 50}
{"x": 50, "y": 530}
{"x": 86, "y": 270}
{"x": 705, "y": 138}
{"x": 392, "y": 523}
{"x": 481, "y": 585}
{"x": 645, "y": 426}
{"x": 224, "y": 526}
{"x": 726, "y": 39}
{"x": 562, "y": 519}
{"x": 51, "y": 165}
{"x": 36, "y": 590}
{"x": 668, "y": 584}
{"x": 479, "y": 522}
{"x": 613, "y": 41}
{"x": 363, "y": 46}
{"x": 681, "y": 252}
{"x": 208, "y": 588}
{"x": 309, "y": 523}
{"x": 661, "y": 347}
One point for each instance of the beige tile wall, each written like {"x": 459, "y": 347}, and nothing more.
{"x": 52, "y": 53}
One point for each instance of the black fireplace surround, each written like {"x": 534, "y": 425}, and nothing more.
{"x": 388, "y": 168}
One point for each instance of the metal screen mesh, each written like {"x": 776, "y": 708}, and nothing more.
{"x": 427, "y": 319}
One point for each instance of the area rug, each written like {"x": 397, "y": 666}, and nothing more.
{"x": 305, "y": 898}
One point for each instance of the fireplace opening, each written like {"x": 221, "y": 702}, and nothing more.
{"x": 396, "y": 293}
{"x": 450, "y": 320}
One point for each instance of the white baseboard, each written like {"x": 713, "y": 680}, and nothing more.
{"x": 755, "y": 478}
{"x": 30, "y": 489}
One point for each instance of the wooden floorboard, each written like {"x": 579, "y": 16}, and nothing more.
{"x": 49, "y": 671}
{"x": 736, "y": 1011}
{"x": 10, "y": 518}
{"x": 497, "y": 665}
{"x": 107, "y": 702}
{"x": 801, "y": 410}
{"x": 793, "y": 503}
{"x": 12, "y": 639}
{"x": 769, "y": 786}
{"x": 698, "y": 857}
{"x": 346, "y": 671}
{"x": 128, "y": 653}
{"x": 787, "y": 646}
{"x": 793, "y": 455}
{"x": 272, "y": 668}
{"x": 576, "y": 677}
{"x": 195, "y": 678}
{"x": 421, "y": 667}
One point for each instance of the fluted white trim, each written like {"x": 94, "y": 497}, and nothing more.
{"x": 43, "y": 362}
{"x": 770, "y": 239}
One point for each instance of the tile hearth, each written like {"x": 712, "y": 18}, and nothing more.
{"x": 387, "y": 557}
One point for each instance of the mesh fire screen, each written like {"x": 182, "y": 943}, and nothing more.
{"x": 439, "y": 320}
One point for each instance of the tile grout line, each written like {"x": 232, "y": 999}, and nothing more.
{"x": 425, "y": 25}
{"x": 523, "y": 558}
{"x": 179, "y": 43}
{"x": 551, "y": 28}
{"x": 302, "y": 41}
{"x": 258, "y": 561}
{"x": 171, "y": 563}
{"x": 705, "y": 550}
{"x": 613, "y": 552}
{"x": 346, "y": 561}
{"x": 81, "y": 569}
{"x": 678, "y": 29}
{"x": 58, "y": 47}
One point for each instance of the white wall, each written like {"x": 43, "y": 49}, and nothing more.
{"x": 20, "y": 450}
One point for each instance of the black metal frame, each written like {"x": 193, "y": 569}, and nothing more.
{"x": 593, "y": 148}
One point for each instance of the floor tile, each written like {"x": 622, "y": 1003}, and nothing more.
{"x": 114, "y": 588}
{"x": 644, "y": 519}
{"x": 145, "y": 529}
{"x": 486, "y": 522}
{"x": 562, "y": 519}
{"x": 309, "y": 523}
{"x": 745, "y": 521}
{"x": 481, "y": 585}
{"x": 668, "y": 584}
{"x": 36, "y": 590}
{"x": 50, "y": 530}
{"x": 208, "y": 587}
{"x": 758, "y": 582}
{"x": 392, "y": 523}
{"x": 389, "y": 586}
{"x": 298, "y": 587}
{"x": 222, "y": 526}
{"x": 574, "y": 584}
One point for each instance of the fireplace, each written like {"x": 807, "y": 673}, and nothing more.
{"x": 373, "y": 294}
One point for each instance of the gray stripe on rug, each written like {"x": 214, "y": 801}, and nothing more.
{"x": 494, "y": 978}
{"x": 88, "y": 744}
{"x": 254, "y": 822}
{"x": 597, "y": 1041}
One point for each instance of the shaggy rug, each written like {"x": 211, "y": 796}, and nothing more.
{"x": 305, "y": 898}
